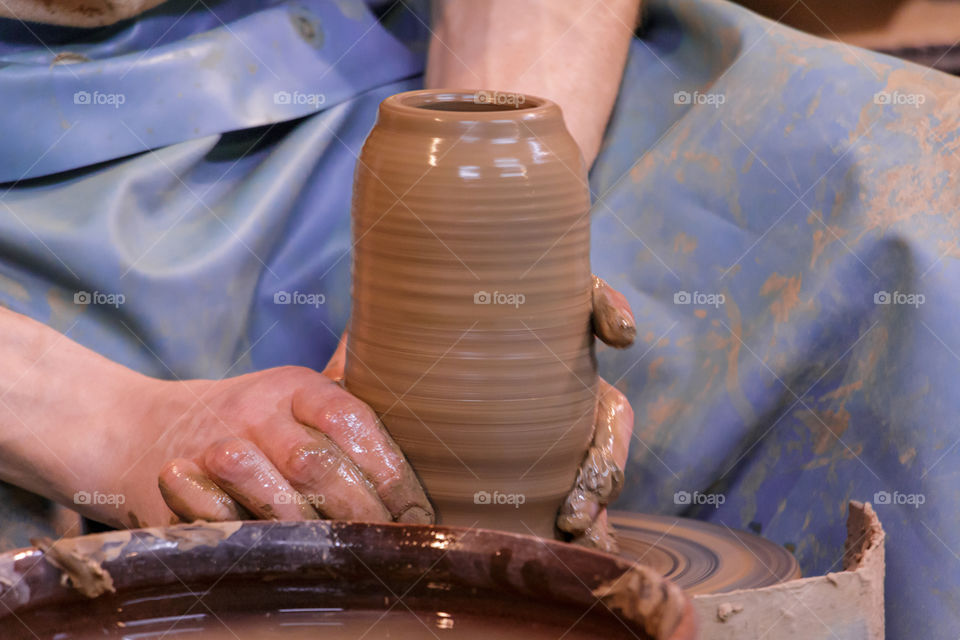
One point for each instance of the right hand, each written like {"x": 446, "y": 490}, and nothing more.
{"x": 291, "y": 444}
{"x": 286, "y": 444}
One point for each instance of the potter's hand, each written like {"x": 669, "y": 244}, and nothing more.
{"x": 600, "y": 477}
{"x": 288, "y": 444}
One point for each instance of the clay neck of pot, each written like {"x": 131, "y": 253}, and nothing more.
{"x": 479, "y": 114}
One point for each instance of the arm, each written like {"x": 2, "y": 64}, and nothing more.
{"x": 570, "y": 52}
{"x": 54, "y": 398}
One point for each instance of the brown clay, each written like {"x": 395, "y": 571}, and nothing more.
{"x": 471, "y": 326}
{"x": 702, "y": 557}
{"x": 83, "y": 574}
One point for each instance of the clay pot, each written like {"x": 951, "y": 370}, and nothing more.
{"x": 299, "y": 580}
{"x": 470, "y": 334}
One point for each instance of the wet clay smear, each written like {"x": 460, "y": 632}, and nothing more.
{"x": 80, "y": 571}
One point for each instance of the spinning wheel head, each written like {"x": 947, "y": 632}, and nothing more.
{"x": 701, "y": 557}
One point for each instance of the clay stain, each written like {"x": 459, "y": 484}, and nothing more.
{"x": 683, "y": 243}
{"x": 787, "y": 290}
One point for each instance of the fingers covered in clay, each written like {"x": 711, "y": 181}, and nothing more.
{"x": 613, "y": 320}
{"x": 599, "y": 535}
{"x": 192, "y": 495}
{"x": 611, "y": 440}
{"x": 600, "y": 477}
{"x": 355, "y": 430}
{"x": 321, "y": 471}
{"x": 242, "y": 470}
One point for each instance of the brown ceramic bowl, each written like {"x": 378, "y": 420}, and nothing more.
{"x": 332, "y": 580}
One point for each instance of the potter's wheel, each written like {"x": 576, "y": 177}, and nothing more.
{"x": 701, "y": 557}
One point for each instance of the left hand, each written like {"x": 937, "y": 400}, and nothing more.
{"x": 601, "y": 475}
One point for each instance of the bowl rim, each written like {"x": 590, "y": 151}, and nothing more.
{"x": 32, "y": 578}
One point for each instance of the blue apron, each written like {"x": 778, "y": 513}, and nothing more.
{"x": 778, "y": 209}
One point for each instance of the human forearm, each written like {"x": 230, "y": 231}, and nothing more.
{"x": 570, "y": 52}
{"x": 55, "y": 400}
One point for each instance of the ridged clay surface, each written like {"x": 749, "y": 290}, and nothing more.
{"x": 471, "y": 331}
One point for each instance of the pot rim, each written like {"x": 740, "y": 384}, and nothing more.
{"x": 423, "y": 109}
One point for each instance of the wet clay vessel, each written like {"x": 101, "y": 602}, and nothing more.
{"x": 305, "y": 580}
{"x": 470, "y": 333}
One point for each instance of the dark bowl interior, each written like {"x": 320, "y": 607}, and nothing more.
{"x": 330, "y": 580}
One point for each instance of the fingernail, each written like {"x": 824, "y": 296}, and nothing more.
{"x": 415, "y": 515}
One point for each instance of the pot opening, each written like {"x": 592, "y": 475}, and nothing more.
{"x": 484, "y": 101}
